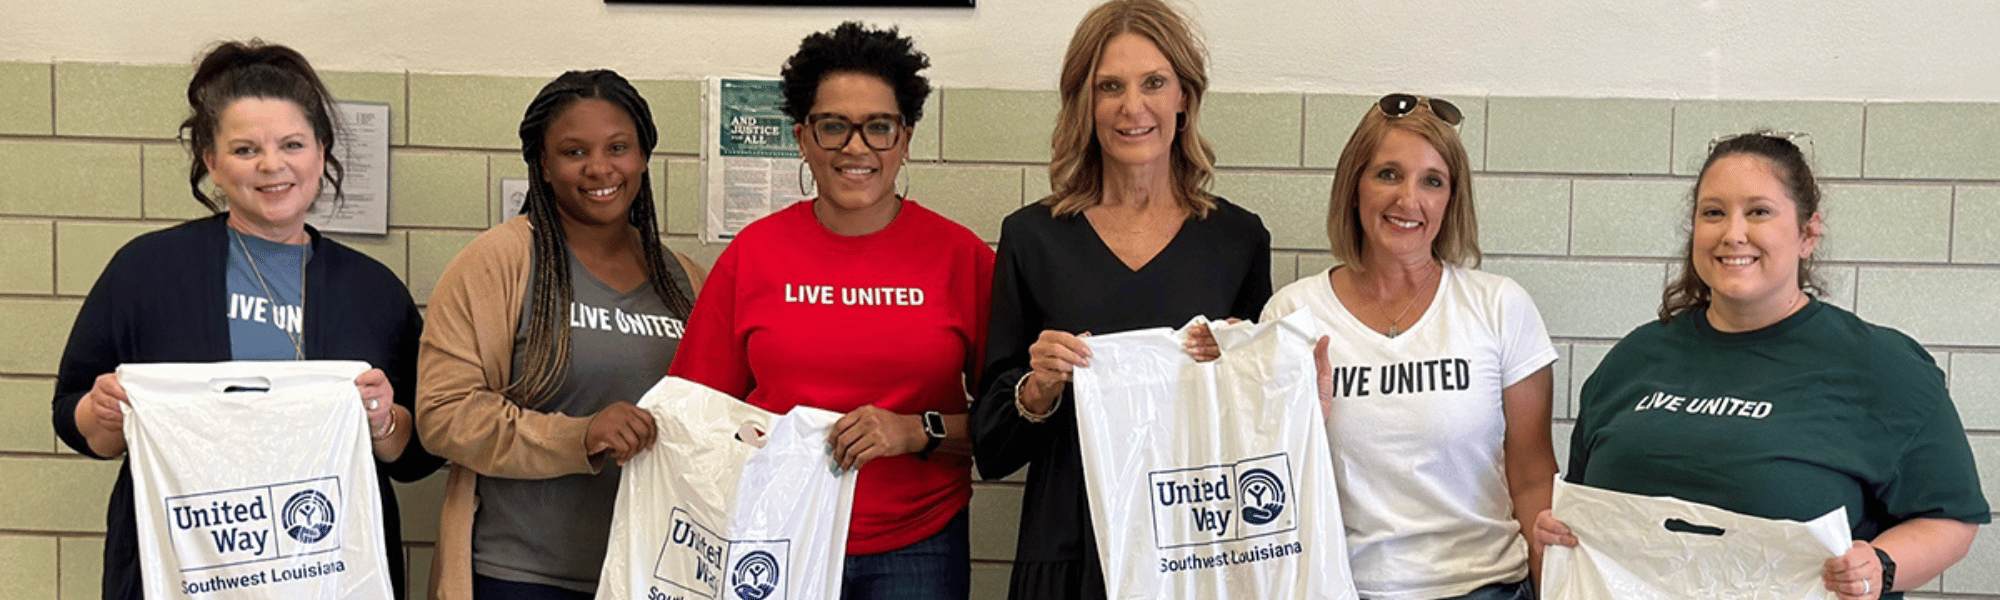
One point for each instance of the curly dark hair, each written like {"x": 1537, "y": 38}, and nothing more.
{"x": 856, "y": 48}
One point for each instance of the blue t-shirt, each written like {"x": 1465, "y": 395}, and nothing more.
{"x": 266, "y": 304}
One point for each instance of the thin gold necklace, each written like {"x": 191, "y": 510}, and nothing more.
{"x": 1393, "y": 330}
{"x": 298, "y": 344}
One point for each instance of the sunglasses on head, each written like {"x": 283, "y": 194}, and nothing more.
{"x": 1800, "y": 139}
{"x": 1397, "y": 105}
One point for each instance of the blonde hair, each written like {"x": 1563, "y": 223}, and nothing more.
{"x": 1457, "y": 243}
{"x": 1076, "y": 163}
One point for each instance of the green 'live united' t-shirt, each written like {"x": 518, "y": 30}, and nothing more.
{"x": 1816, "y": 411}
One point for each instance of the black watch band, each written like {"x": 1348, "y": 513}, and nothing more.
{"x": 933, "y": 429}
{"x": 1888, "y": 570}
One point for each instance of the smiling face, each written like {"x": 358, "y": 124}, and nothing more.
{"x": 1402, "y": 195}
{"x": 1137, "y": 99}
{"x": 268, "y": 164}
{"x": 1749, "y": 236}
{"x": 592, "y": 160}
{"x": 855, "y": 182}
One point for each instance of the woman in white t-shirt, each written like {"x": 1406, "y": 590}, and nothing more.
{"x": 1437, "y": 399}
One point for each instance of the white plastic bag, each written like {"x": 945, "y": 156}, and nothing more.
{"x": 703, "y": 514}
{"x": 1211, "y": 480}
{"x": 254, "y": 479}
{"x": 1625, "y": 550}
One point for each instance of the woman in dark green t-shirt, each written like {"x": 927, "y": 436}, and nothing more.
{"x": 1750, "y": 395}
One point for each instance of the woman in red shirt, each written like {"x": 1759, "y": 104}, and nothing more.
{"x": 860, "y": 301}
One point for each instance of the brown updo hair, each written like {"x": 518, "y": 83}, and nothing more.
{"x": 231, "y": 71}
{"x": 1687, "y": 291}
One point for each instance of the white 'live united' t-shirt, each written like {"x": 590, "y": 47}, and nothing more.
{"x": 1416, "y": 427}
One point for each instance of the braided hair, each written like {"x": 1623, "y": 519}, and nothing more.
{"x": 232, "y": 71}
{"x": 548, "y": 343}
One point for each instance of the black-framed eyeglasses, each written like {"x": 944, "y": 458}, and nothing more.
{"x": 1397, "y": 105}
{"x": 832, "y": 132}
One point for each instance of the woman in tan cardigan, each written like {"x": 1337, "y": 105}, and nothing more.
{"x": 544, "y": 332}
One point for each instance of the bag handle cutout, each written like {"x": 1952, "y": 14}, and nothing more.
{"x": 1680, "y": 526}
{"x": 750, "y": 434}
{"x": 237, "y": 385}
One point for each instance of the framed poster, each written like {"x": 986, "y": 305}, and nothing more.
{"x": 750, "y": 165}
{"x": 906, "y": 3}
{"x": 363, "y": 148}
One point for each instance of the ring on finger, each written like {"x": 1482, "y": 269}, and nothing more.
{"x": 1866, "y": 587}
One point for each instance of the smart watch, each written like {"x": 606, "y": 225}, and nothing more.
{"x": 1888, "y": 570}
{"x": 933, "y": 429}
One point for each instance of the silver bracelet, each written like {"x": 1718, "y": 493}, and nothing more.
{"x": 1023, "y": 408}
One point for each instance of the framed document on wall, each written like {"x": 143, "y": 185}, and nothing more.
{"x": 749, "y": 161}
{"x": 921, "y": 3}
{"x": 363, "y": 148}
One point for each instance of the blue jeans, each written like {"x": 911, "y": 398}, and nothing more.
{"x": 936, "y": 568}
{"x": 1519, "y": 590}
{"x": 488, "y": 588}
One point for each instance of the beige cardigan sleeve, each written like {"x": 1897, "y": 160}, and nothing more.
{"x": 464, "y": 361}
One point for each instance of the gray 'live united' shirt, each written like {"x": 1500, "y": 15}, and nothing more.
{"x": 553, "y": 531}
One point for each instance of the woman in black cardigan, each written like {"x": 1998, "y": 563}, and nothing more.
{"x": 262, "y": 132}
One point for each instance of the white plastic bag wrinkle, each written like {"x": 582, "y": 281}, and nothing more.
{"x": 704, "y": 515}
{"x": 1211, "y": 480}
{"x": 254, "y": 479}
{"x": 1626, "y": 552}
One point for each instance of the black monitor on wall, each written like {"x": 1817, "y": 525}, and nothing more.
{"x": 901, "y": 3}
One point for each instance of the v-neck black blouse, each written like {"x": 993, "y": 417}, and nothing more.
{"x": 1056, "y": 273}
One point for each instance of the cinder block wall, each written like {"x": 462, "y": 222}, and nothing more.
{"x": 1581, "y": 200}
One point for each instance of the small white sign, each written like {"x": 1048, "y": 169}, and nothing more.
{"x": 513, "y": 194}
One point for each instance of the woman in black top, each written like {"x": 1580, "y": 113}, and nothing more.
{"x": 1129, "y": 239}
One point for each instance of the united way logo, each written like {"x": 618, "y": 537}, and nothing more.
{"x": 1263, "y": 496}
{"x": 1221, "y": 503}
{"x": 755, "y": 576}
{"x": 308, "y": 516}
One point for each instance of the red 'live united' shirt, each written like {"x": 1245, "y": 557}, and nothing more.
{"x": 796, "y": 315}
